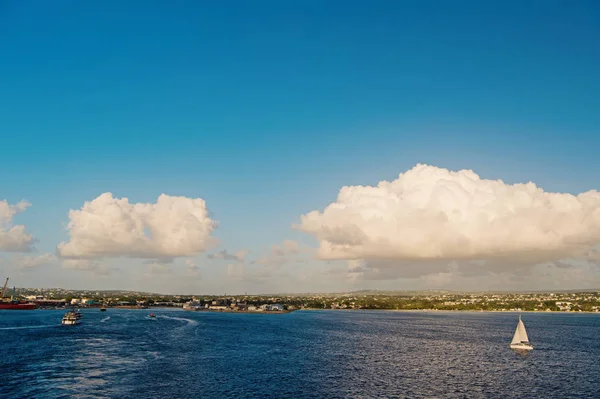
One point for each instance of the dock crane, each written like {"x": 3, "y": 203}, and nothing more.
{"x": 4, "y": 288}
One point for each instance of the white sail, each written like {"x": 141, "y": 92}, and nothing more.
{"x": 520, "y": 333}
{"x": 516, "y": 338}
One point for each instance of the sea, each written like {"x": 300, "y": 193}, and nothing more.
{"x": 125, "y": 353}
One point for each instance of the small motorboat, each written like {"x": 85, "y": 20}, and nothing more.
{"x": 151, "y": 315}
{"x": 103, "y": 309}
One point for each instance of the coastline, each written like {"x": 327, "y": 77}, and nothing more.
{"x": 455, "y": 311}
{"x": 242, "y": 311}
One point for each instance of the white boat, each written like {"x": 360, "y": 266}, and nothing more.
{"x": 520, "y": 340}
{"x": 70, "y": 319}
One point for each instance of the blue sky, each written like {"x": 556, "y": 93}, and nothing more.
{"x": 266, "y": 109}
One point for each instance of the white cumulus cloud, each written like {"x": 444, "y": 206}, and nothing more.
{"x": 113, "y": 227}
{"x": 430, "y": 214}
{"x": 13, "y": 238}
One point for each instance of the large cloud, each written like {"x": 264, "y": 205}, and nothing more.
{"x": 13, "y": 238}
{"x": 112, "y": 227}
{"x": 431, "y": 214}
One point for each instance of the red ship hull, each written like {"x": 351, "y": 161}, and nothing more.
{"x": 17, "y": 306}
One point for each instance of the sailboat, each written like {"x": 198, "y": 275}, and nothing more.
{"x": 520, "y": 340}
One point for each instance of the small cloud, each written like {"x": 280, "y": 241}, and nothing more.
{"x": 287, "y": 247}
{"x": 79, "y": 264}
{"x": 158, "y": 268}
{"x": 14, "y": 238}
{"x": 235, "y": 270}
{"x": 32, "y": 262}
{"x": 239, "y": 256}
{"x": 87, "y": 265}
{"x": 286, "y": 252}
{"x": 192, "y": 268}
{"x": 593, "y": 256}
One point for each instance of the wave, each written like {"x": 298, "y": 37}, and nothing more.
{"x": 105, "y": 319}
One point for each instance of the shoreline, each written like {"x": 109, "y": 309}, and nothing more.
{"x": 242, "y": 311}
{"x": 337, "y": 310}
{"x": 456, "y": 311}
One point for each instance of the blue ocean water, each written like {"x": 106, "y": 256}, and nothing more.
{"x": 305, "y": 354}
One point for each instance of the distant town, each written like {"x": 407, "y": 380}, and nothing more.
{"x": 584, "y": 301}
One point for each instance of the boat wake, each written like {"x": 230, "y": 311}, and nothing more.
{"x": 105, "y": 319}
{"x": 190, "y": 322}
{"x": 27, "y": 327}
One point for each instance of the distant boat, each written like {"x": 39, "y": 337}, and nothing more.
{"x": 152, "y": 315}
{"x": 103, "y": 309}
{"x": 70, "y": 318}
{"x": 520, "y": 340}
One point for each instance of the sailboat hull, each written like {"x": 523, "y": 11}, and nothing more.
{"x": 522, "y": 347}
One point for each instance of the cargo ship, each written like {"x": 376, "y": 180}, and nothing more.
{"x": 14, "y": 304}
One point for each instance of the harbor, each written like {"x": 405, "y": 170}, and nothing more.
{"x": 234, "y": 306}
{"x": 14, "y": 303}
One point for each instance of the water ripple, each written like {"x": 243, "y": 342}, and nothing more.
{"x": 308, "y": 354}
